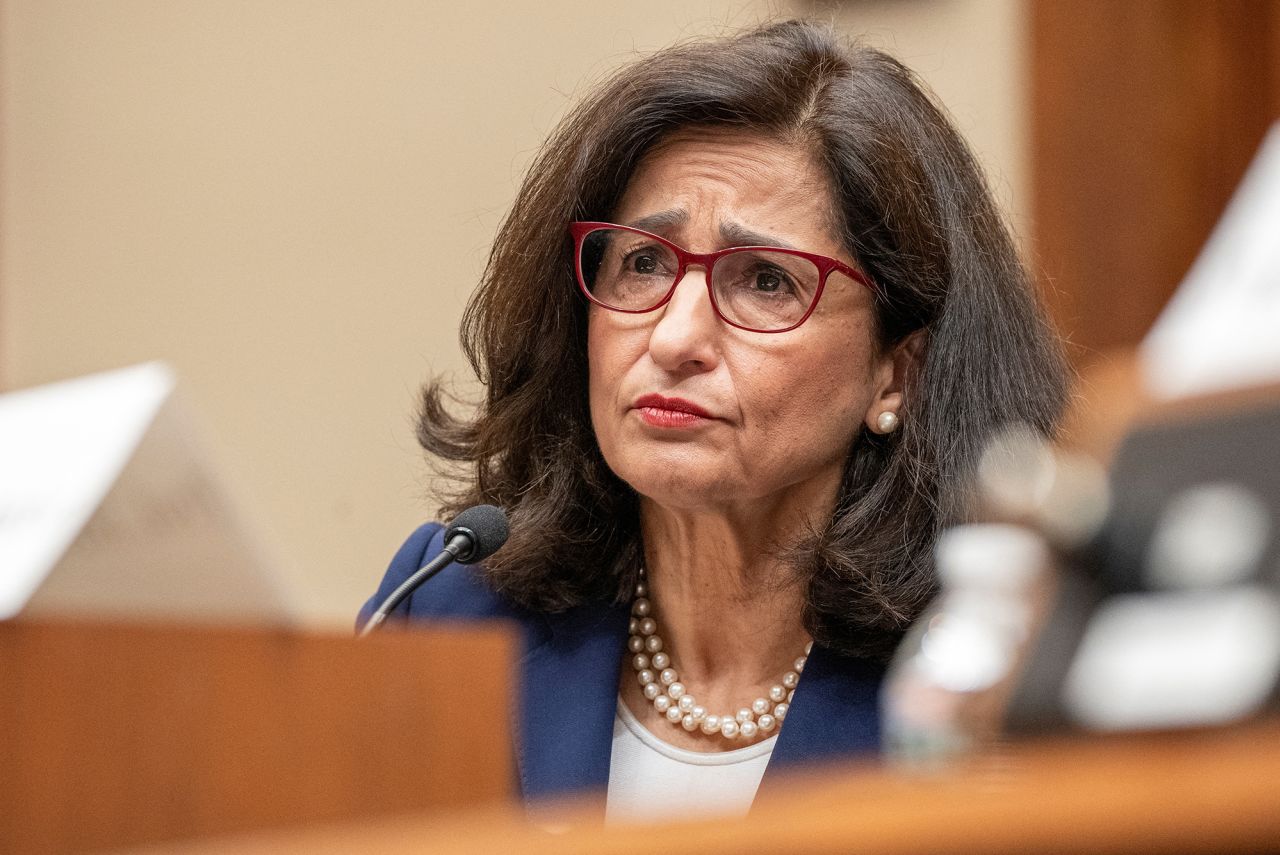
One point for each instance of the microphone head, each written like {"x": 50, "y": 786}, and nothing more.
{"x": 485, "y": 530}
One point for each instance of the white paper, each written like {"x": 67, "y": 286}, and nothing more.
{"x": 1176, "y": 659}
{"x": 110, "y": 506}
{"x": 1221, "y": 329}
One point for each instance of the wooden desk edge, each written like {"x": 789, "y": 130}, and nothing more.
{"x": 1210, "y": 791}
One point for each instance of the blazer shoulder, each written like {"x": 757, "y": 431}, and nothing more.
{"x": 456, "y": 593}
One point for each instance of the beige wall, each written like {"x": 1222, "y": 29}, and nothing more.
{"x": 290, "y": 201}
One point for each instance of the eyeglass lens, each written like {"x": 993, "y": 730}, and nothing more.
{"x": 758, "y": 289}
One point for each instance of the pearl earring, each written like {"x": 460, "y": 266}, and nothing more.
{"x": 887, "y": 422}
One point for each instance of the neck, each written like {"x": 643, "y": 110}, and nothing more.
{"x": 729, "y": 609}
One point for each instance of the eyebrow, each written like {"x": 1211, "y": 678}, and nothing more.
{"x": 736, "y": 234}
{"x": 660, "y": 221}
{"x": 733, "y": 234}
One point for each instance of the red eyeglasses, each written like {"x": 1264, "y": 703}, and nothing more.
{"x": 755, "y": 288}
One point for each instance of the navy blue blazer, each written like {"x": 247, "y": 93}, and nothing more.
{"x": 568, "y": 690}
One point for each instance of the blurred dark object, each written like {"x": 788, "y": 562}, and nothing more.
{"x": 1170, "y": 616}
{"x": 1196, "y": 490}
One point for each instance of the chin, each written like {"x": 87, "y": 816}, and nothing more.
{"x": 674, "y": 485}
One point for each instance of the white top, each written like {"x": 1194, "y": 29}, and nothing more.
{"x": 652, "y": 780}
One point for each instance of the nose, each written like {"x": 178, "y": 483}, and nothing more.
{"x": 686, "y": 338}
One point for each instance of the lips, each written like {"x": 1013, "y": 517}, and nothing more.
{"x": 675, "y": 405}
{"x": 660, "y": 411}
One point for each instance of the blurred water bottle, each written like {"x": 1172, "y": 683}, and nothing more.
{"x": 950, "y": 681}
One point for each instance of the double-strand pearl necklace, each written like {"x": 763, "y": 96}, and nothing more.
{"x": 661, "y": 684}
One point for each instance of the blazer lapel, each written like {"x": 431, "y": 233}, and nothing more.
{"x": 564, "y": 730}
{"x": 835, "y": 715}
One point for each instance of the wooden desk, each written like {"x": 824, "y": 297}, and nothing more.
{"x": 1203, "y": 792}
{"x": 122, "y": 734}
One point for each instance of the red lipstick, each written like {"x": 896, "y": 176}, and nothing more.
{"x": 663, "y": 412}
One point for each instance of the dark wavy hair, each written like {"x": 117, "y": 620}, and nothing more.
{"x": 915, "y": 213}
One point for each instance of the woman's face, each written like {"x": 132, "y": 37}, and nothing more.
{"x": 780, "y": 412}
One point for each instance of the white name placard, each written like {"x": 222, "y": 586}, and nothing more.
{"x": 111, "y": 506}
{"x": 1221, "y": 329}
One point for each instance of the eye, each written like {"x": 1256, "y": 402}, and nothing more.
{"x": 644, "y": 261}
{"x": 769, "y": 281}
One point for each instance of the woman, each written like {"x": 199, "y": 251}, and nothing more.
{"x": 742, "y": 335}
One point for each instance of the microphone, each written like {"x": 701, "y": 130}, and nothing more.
{"x": 473, "y": 536}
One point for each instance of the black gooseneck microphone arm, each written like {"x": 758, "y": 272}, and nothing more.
{"x": 475, "y": 534}
{"x": 408, "y": 586}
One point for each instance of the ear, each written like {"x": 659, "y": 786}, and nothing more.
{"x": 894, "y": 368}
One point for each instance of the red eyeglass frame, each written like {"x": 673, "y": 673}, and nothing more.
{"x": 684, "y": 258}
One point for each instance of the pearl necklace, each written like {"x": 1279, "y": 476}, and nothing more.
{"x": 661, "y": 684}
